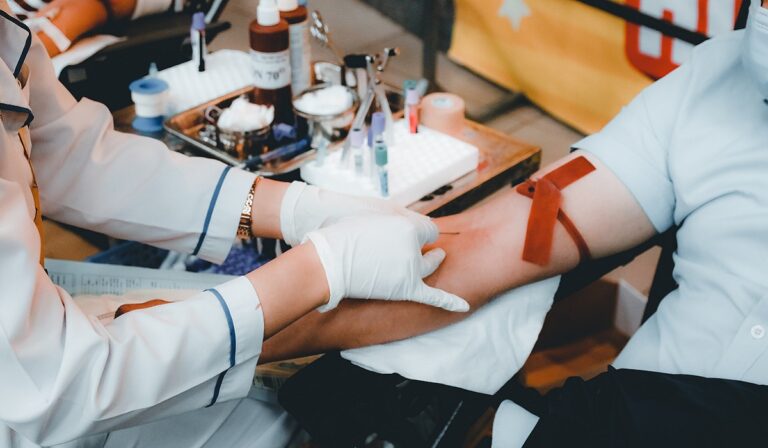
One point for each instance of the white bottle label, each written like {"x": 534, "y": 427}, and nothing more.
{"x": 195, "y": 37}
{"x": 271, "y": 70}
{"x": 300, "y": 56}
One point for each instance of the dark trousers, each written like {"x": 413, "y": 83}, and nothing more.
{"x": 632, "y": 408}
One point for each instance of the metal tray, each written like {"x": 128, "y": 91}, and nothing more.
{"x": 186, "y": 126}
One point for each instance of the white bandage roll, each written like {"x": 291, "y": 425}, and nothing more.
{"x": 149, "y": 7}
{"x": 149, "y": 96}
{"x": 152, "y": 105}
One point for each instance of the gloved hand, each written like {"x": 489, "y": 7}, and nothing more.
{"x": 306, "y": 208}
{"x": 378, "y": 256}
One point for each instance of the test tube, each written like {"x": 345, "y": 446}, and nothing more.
{"x": 381, "y": 166}
{"x": 412, "y": 101}
{"x": 358, "y": 138}
{"x": 378, "y": 124}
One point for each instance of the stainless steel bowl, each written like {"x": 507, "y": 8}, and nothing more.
{"x": 239, "y": 144}
{"x": 328, "y": 128}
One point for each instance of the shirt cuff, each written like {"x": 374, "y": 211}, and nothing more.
{"x": 245, "y": 319}
{"x": 223, "y": 214}
{"x": 512, "y": 426}
{"x": 652, "y": 190}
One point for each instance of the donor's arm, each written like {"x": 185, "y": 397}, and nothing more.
{"x": 485, "y": 248}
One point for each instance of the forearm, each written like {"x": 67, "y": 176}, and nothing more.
{"x": 483, "y": 260}
{"x": 285, "y": 296}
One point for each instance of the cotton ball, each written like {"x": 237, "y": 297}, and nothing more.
{"x": 328, "y": 101}
{"x": 244, "y": 116}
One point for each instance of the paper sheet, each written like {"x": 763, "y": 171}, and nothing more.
{"x": 78, "y": 278}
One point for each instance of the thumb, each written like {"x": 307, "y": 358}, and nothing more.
{"x": 441, "y": 299}
{"x": 431, "y": 261}
{"x": 426, "y": 230}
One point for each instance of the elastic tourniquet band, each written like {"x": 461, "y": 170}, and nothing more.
{"x": 546, "y": 211}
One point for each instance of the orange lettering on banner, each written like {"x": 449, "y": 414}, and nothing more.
{"x": 655, "y": 54}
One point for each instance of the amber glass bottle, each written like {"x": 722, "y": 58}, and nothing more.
{"x": 271, "y": 61}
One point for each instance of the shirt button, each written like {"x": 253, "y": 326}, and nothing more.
{"x": 757, "y": 331}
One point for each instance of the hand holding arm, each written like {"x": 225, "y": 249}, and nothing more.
{"x": 483, "y": 260}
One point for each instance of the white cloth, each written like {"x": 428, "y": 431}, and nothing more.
{"x": 150, "y": 7}
{"x": 83, "y": 49}
{"x": 479, "y": 353}
{"x": 63, "y": 374}
{"x": 515, "y": 427}
{"x": 693, "y": 149}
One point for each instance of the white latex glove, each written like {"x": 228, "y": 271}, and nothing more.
{"x": 379, "y": 256}
{"x": 306, "y": 208}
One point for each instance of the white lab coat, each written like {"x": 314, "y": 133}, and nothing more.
{"x": 63, "y": 375}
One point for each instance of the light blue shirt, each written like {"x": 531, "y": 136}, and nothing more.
{"x": 693, "y": 150}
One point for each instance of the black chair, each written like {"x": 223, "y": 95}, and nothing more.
{"x": 162, "y": 39}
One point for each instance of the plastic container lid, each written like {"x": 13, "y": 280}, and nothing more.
{"x": 382, "y": 156}
{"x": 198, "y": 21}
{"x": 357, "y": 137}
{"x": 378, "y": 123}
{"x": 267, "y": 13}
{"x": 148, "y": 86}
{"x": 148, "y": 124}
{"x": 287, "y": 5}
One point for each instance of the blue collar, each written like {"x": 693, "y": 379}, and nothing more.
{"x": 15, "y": 40}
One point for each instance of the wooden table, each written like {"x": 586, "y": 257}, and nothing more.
{"x": 503, "y": 161}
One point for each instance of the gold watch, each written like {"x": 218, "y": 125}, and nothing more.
{"x": 244, "y": 228}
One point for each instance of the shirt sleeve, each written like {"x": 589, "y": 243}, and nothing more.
{"x": 127, "y": 186}
{"x": 635, "y": 145}
{"x": 512, "y": 425}
{"x": 65, "y": 374}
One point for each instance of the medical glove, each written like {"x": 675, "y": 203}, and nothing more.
{"x": 378, "y": 256}
{"x": 305, "y": 208}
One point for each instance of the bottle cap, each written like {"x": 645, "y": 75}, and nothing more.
{"x": 267, "y": 13}
{"x": 287, "y": 5}
{"x": 378, "y": 123}
{"x": 381, "y": 153}
{"x": 198, "y": 21}
{"x": 357, "y": 137}
{"x": 412, "y": 97}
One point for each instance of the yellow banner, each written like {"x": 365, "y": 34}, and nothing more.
{"x": 578, "y": 63}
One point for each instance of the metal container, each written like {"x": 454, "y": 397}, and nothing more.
{"x": 238, "y": 144}
{"x": 329, "y": 128}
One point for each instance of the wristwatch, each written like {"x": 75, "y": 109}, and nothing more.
{"x": 244, "y": 228}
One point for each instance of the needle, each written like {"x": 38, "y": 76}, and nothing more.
{"x": 450, "y": 233}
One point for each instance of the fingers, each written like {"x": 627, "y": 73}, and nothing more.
{"x": 426, "y": 230}
{"x": 431, "y": 261}
{"x": 441, "y": 299}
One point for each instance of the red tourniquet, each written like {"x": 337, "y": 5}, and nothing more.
{"x": 546, "y": 211}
